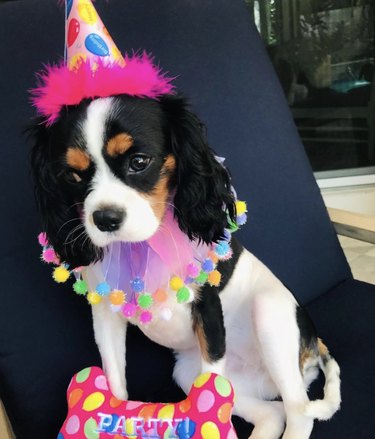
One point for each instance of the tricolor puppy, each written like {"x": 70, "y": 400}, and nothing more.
{"x": 107, "y": 170}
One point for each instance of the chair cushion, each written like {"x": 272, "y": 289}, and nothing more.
{"x": 45, "y": 333}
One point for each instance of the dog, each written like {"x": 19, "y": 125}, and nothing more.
{"x": 107, "y": 171}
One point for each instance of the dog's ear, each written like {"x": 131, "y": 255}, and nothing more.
{"x": 58, "y": 208}
{"x": 203, "y": 198}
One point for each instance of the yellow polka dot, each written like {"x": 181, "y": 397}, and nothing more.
{"x": 166, "y": 412}
{"x": 129, "y": 427}
{"x": 93, "y": 401}
{"x": 209, "y": 430}
{"x": 202, "y": 379}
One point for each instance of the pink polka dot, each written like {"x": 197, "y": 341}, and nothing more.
{"x": 101, "y": 382}
{"x": 131, "y": 405}
{"x": 205, "y": 401}
{"x": 72, "y": 425}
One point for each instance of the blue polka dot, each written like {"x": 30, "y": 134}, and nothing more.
{"x": 186, "y": 429}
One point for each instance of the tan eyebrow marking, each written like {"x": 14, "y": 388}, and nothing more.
{"x": 77, "y": 159}
{"x": 159, "y": 196}
{"x": 119, "y": 144}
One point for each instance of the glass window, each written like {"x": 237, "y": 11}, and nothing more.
{"x": 323, "y": 52}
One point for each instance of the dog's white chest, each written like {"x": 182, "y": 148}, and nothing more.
{"x": 176, "y": 331}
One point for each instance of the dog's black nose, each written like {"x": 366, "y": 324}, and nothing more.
{"x": 108, "y": 220}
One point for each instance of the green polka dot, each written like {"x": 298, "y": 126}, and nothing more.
{"x": 168, "y": 433}
{"x": 91, "y": 429}
{"x": 83, "y": 375}
{"x": 183, "y": 295}
{"x": 222, "y": 386}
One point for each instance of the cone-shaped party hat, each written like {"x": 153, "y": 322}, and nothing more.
{"x": 94, "y": 67}
{"x": 86, "y": 36}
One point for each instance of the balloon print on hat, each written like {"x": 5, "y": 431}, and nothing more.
{"x": 73, "y": 31}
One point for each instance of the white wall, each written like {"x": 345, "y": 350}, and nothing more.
{"x": 359, "y": 199}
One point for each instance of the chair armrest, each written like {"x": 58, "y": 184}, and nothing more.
{"x": 353, "y": 225}
{"x": 5, "y": 428}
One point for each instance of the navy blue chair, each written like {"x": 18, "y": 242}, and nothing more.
{"x": 45, "y": 330}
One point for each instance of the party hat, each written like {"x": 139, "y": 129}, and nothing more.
{"x": 94, "y": 67}
{"x": 86, "y": 36}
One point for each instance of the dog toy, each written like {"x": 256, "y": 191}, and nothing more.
{"x": 94, "y": 413}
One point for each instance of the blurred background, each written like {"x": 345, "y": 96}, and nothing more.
{"x": 323, "y": 52}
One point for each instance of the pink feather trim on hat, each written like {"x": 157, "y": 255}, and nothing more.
{"x": 60, "y": 86}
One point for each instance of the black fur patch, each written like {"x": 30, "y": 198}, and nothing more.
{"x": 308, "y": 333}
{"x": 207, "y": 311}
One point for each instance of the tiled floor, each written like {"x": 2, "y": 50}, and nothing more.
{"x": 361, "y": 257}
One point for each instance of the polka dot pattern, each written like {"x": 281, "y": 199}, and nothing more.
{"x": 94, "y": 413}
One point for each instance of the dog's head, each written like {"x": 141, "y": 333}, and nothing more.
{"x": 108, "y": 169}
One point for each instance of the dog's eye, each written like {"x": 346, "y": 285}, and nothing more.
{"x": 139, "y": 162}
{"x": 73, "y": 177}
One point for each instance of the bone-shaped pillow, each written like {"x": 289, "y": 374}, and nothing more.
{"x": 94, "y": 413}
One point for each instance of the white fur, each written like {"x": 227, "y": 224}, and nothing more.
{"x": 262, "y": 336}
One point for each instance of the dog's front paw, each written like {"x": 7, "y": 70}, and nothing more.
{"x": 118, "y": 388}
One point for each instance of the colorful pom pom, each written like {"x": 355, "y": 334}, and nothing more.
{"x": 183, "y": 295}
{"x": 241, "y": 219}
{"x": 213, "y": 256}
{"x": 208, "y": 265}
{"x": 145, "y": 317}
{"x": 42, "y": 239}
{"x": 202, "y": 278}
{"x": 145, "y": 301}
{"x": 117, "y": 297}
{"x": 192, "y": 270}
{"x": 129, "y": 310}
{"x": 137, "y": 285}
{"x": 80, "y": 287}
{"x": 50, "y": 256}
{"x": 103, "y": 289}
{"x": 160, "y": 295}
{"x": 176, "y": 283}
{"x": 61, "y": 274}
{"x": 241, "y": 207}
{"x": 214, "y": 278}
{"x": 94, "y": 298}
{"x": 222, "y": 249}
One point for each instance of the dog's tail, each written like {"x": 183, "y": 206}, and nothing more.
{"x": 324, "y": 409}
